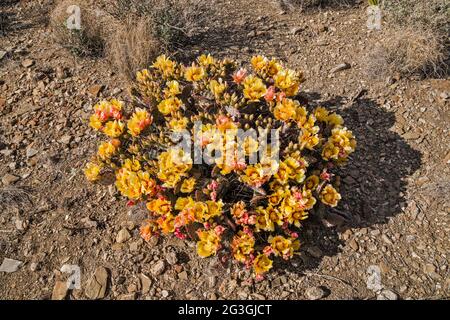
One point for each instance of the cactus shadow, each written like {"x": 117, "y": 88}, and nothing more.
{"x": 373, "y": 183}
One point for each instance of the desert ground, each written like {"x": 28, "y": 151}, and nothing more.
{"x": 394, "y": 212}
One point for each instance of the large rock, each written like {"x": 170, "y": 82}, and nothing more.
{"x": 96, "y": 286}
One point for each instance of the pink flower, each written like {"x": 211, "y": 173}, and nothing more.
{"x": 294, "y": 235}
{"x": 270, "y": 94}
{"x": 130, "y": 203}
{"x": 179, "y": 234}
{"x": 219, "y": 230}
{"x": 325, "y": 175}
{"x": 239, "y": 76}
{"x": 268, "y": 250}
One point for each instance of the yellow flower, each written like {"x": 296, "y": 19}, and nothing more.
{"x": 283, "y": 173}
{"x": 242, "y": 246}
{"x": 258, "y": 62}
{"x": 106, "y": 150}
{"x": 142, "y": 75}
{"x": 275, "y": 215}
{"x": 287, "y": 80}
{"x": 214, "y": 209}
{"x": 114, "y": 128}
{"x": 172, "y": 89}
{"x": 321, "y": 114}
{"x": 160, "y": 206}
{"x": 262, "y": 264}
{"x": 273, "y": 67}
{"x": 188, "y": 185}
{"x": 169, "y": 105}
{"x": 330, "y": 196}
{"x": 200, "y": 211}
{"x": 309, "y": 138}
{"x": 194, "y": 73}
{"x": 286, "y": 110}
{"x": 296, "y": 217}
{"x": 140, "y": 120}
{"x": 92, "y": 171}
{"x": 284, "y": 247}
{"x": 132, "y": 165}
{"x": 209, "y": 243}
{"x": 254, "y": 88}
{"x": 165, "y": 65}
{"x": 254, "y": 175}
{"x": 128, "y": 183}
{"x": 206, "y": 60}
{"x": 95, "y": 122}
{"x": 335, "y": 119}
{"x": 178, "y": 124}
{"x": 217, "y": 87}
{"x": 166, "y": 223}
{"x": 330, "y": 151}
{"x": 183, "y": 203}
{"x": 312, "y": 182}
{"x": 263, "y": 221}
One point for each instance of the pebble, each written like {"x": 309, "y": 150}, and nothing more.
{"x": 60, "y": 290}
{"x": 146, "y": 283}
{"x": 123, "y": 236}
{"x": 164, "y": 293}
{"x": 387, "y": 295}
{"x": 340, "y": 67}
{"x": 34, "y": 266}
{"x": 158, "y": 268}
{"x": 315, "y": 293}
{"x": 10, "y": 265}
{"x": 9, "y": 179}
{"x": 353, "y": 244}
{"x": 171, "y": 258}
{"x": 96, "y": 286}
{"x": 96, "y": 89}
{"x": 183, "y": 275}
{"x": 27, "y": 63}
{"x": 31, "y": 152}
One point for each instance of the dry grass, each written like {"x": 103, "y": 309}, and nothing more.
{"x": 174, "y": 21}
{"x": 87, "y": 41}
{"x": 133, "y": 47}
{"x": 406, "y": 51}
{"x": 413, "y": 41}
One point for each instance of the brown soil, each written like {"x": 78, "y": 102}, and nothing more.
{"x": 394, "y": 213}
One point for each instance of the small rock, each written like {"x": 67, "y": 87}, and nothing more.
{"x": 10, "y": 265}
{"x": 315, "y": 252}
{"x": 164, "y": 293}
{"x": 296, "y": 30}
{"x": 2, "y": 54}
{"x": 128, "y": 296}
{"x": 353, "y": 244}
{"x": 65, "y": 139}
{"x": 146, "y": 283}
{"x": 96, "y": 286}
{"x": 387, "y": 295}
{"x": 60, "y": 290}
{"x": 158, "y": 268}
{"x": 34, "y": 266}
{"x": 315, "y": 293}
{"x": 340, "y": 67}
{"x": 96, "y": 89}
{"x": 21, "y": 225}
{"x": 171, "y": 258}
{"x": 31, "y": 152}
{"x": 27, "y": 63}
{"x": 123, "y": 236}
{"x": 183, "y": 275}
{"x": 89, "y": 223}
{"x": 9, "y": 179}
{"x": 60, "y": 73}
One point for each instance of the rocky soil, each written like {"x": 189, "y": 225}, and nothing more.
{"x": 393, "y": 219}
